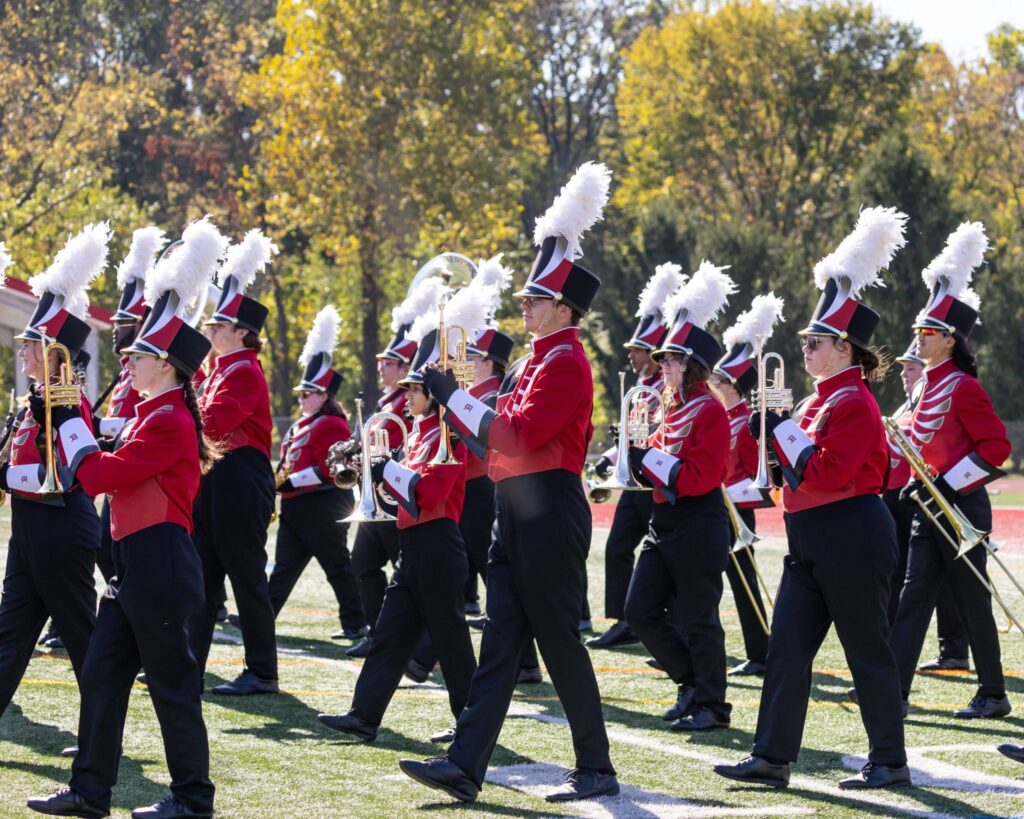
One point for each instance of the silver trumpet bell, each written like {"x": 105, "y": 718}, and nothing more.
{"x": 634, "y": 430}
{"x": 375, "y": 446}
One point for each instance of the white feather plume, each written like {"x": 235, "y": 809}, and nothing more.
{"x": 470, "y": 308}
{"x": 323, "y": 338}
{"x": 493, "y": 272}
{"x": 760, "y": 320}
{"x": 577, "y": 207}
{"x": 869, "y": 248}
{"x": 971, "y": 299}
{"x": 426, "y": 295}
{"x": 964, "y": 251}
{"x": 188, "y": 269}
{"x": 703, "y": 296}
{"x": 146, "y": 243}
{"x": 667, "y": 279}
{"x": 248, "y": 258}
{"x": 5, "y": 260}
{"x": 74, "y": 268}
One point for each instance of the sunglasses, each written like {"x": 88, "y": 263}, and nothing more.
{"x": 135, "y": 358}
{"x": 812, "y": 343}
{"x": 530, "y": 301}
{"x": 668, "y": 358}
{"x": 304, "y": 394}
{"x": 930, "y": 331}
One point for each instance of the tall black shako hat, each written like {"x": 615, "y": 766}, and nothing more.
{"x": 178, "y": 281}
{"x": 651, "y": 331}
{"x": 467, "y": 308}
{"x": 244, "y": 261}
{"x": 132, "y": 272}
{"x": 849, "y": 269}
{"x": 424, "y": 296}
{"x": 63, "y": 289}
{"x": 953, "y": 306}
{"x": 316, "y": 355}
{"x": 490, "y": 342}
{"x": 691, "y": 308}
{"x": 739, "y": 364}
{"x": 555, "y": 274}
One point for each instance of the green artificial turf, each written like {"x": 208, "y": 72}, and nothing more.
{"x": 270, "y": 758}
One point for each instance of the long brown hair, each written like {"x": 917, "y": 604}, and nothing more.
{"x": 209, "y": 451}
{"x": 874, "y": 362}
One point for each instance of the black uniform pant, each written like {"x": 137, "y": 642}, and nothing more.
{"x": 309, "y": 527}
{"x": 534, "y": 590}
{"x": 50, "y": 560}
{"x": 233, "y": 512}
{"x": 838, "y": 570}
{"x": 953, "y": 642}
{"x": 629, "y": 528}
{"x": 104, "y": 556}
{"x": 376, "y": 544}
{"x": 426, "y": 591}
{"x": 755, "y": 641}
{"x": 143, "y": 621}
{"x": 683, "y": 557}
{"x": 475, "y": 525}
{"x": 932, "y": 560}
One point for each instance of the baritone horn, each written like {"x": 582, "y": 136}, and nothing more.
{"x": 635, "y": 419}
{"x": 771, "y": 394}
{"x": 376, "y": 446}
{"x": 65, "y": 392}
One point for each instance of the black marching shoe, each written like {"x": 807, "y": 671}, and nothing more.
{"x": 445, "y": 737}
{"x": 758, "y": 771}
{"x": 619, "y": 634}
{"x": 582, "y": 784}
{"x": 70, "y": 752}
{"x": 246, "y": 684}
{"x": 417, "y": 672}
{"x": 685, "y": 700}
{"x": 476, "y": 622}
{"x": 66, "y": 802}
{"x": 360, "y": 649}
{"x": 983, "y": 707}
{"x": 701, "y": 719}
{"x": 472, "y": 608}
{"x": 748, "y": 668}
{"x": 351, "y": 633}
{"x": 945, "y": 664}
{"x": 141, "y": 678}
{"x": 1014, "y": 752}
{"x": 877, "y": 776}
{"x": 529, "y": 676}
{"x": 170, "y": 807}
{"x": 654, "y": 664}
{"x": 234, "y": 620}
{"x": 349, "y": 724}
{"x": 443, "y": 774}
{"x": 586, "y": 626}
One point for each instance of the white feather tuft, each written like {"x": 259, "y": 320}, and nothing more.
{"x": 760, "y": 320}
{"x": 470, "y": 307}
{"x": 493, "y": 272}
{"x": 667, "y": 279}
{"x": 971, "y": 299}
{"x": 422, "y": 325}
{"x": 247, "y": 258}
{"x": 188, "y": 269}
{"x": 702, "y": 297}
{"x": 5, "y": 260}
{"x": 964, "y": 251}
{"x": 577, "y": 207}
{"x": 428, "y": 293}
{"x": 323, "y": 338}
{"x": 869, "y": 248}
{"x": 146, "y": 243}
{"x": 74, "y": 268}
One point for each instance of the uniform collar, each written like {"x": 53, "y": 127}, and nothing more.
{"x": 824, "y": 387}
{"x": 650, "y": 380}
{"x": 489, "y": 384}
{"x": 387, "y": 399}
{"x": 933, "y": 374}
{"x": 238, "y": 355}
{"x": 175, "y": 395}
{"x": 543, "y": 344}
{"x": 738, "y": 409}
{"x": 427, "y": 424}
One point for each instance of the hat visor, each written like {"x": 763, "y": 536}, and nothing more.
{"x": 633, "y": 344}
{"x": 123, "y": 316}
{"x": 28, "y": 334}
{"x": 661, "y": 352}
{"x": 391, "y": 354}
{"x": 724, "y": 374}
{"x": 534, "y": 291}
{"x": 930, "y": 323}
{"x": 306, "y": 386}
{"x": 411, "y": 378}
{"x": 909, "y": 359}
{"x": 141, "y": 348}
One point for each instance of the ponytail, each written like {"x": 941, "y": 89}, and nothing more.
{"x": 209, "y": 452}
{"x": 874, "y": 362}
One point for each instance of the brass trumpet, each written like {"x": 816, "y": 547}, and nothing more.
{"x": 634, "y": 429}
{"x": 462, "y": 369}
{"x": 965, "y": 535}
{"x": 375, "y": 446}
{"x": 770, "y": 395}
{"x": 67, "y": 392}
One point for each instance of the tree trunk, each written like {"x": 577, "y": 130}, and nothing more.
{"x": 371, "y": 298}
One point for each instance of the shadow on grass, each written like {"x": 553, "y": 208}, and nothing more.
{"x": 288, "y": 717}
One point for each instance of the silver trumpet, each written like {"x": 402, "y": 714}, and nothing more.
{"x": 376, "y": 446}
{"x": 771, "y": 394}
{"x": 635, "y": 421}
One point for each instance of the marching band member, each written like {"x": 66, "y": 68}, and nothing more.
{"x": 538, "y": 435}
{"x": 842, "y": 541}
{"x": 312, "y": 507}
{"x": 51, "y": 555}
{"x": 131, "y": 311}
{"x": 962, "y": 439}
{"x": 152, "y": 478}
{"x": 377, "y": 543}
{"x": 237, "y": 497}
{"x": 427, "y": 587}
{"x": 633, "y": 510}
{"x": 735, "y": 375}
{"x": 687, "y": 549}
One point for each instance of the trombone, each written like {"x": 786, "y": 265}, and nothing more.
{"x": 375, "y": 446}
{"x": 634, "y": 430}
{"x": 67, "y": 392}
{"x": 745, "y": 539}
{"x": 965, "y": 536}
{"x": 771, "y": 394}
{"x": 461, "y": 368}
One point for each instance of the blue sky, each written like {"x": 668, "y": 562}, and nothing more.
{"x": 959, "y": 26}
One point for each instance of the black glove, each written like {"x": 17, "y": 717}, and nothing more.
{"x": 61, "y": 415}
{"x": 910, "y": 489}
{"x": 602, "y": 467}
{"x": 3, "y": 479}
{"x": 948, "y": 492}
{"x": 771, "y": 420}
{"x": 613, "y": 430}
{"x": 636, "y": 463}
{"x": 95, "y": 425}
{"x": 37, "y": 405}
{"x": 377, "y": 471}
{"x": 439, "y": 385}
